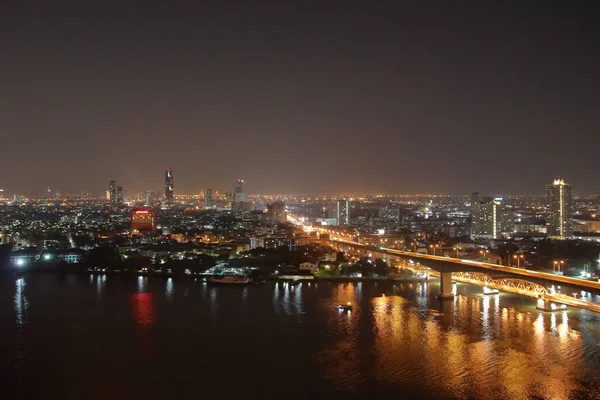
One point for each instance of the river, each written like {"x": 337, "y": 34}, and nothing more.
{"x": 88, "y": 337}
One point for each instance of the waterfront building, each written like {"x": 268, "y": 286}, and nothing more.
{"x": 559, "y": 200}
{"x": 486, "y": 222}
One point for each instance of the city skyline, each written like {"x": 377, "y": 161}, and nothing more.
{"x": 439, "y": 99}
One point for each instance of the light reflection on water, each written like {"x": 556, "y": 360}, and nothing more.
{"x": 398, "y": 339}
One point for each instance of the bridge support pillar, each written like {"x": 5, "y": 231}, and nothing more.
{"x": 549, "y": 305}
{"x": 445, "y": 286}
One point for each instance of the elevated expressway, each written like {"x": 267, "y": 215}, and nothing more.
{"x": 499, "y": 277}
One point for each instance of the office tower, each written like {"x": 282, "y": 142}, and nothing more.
{"x": 238, "y": 194}
{"x": 486, "y": 217}
{"x": 342, "y": 212}
{"x": 143, "y": 221}
{"x": 208, "y": 199}
{"x": 112, "y": 192}
{"x": 276, "y": 212}
{"x": 168, "y": 185}
{"x": 148, "y": 199}
{"x": 119, "y": 195}
{"x": 108, "y": 195}
{"x": 559, "y": 200}
{"x": 240, "y": 201}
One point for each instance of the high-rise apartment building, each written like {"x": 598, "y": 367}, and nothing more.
{"x": 168, "y": 185}
{"x": 559, "y": 200}
{"x": 119, "y": 196}
{"x": 486, "y": 217}
{"x": 208, "y": 199}
{"x": 276, "y": 212}
{"x": 342, "y": 212}
{"x": 112, "y": 192}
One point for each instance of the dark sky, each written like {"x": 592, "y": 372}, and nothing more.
{"x": 299, "y": 96}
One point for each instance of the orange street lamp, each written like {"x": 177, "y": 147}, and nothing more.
{"x": 485, "y": 253}
{"x": 558, "y": 266}
{"x": 518, "y": 257}
{"x": 457, "y": 249}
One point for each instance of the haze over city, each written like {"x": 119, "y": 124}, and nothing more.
{"x": 298, "y": 97}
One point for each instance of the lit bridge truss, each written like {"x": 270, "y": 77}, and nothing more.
{"x": 513, "y": 285}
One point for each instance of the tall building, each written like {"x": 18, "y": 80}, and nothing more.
{"x": 112, "y": 192}
{"x": 240, "y": 202}
{"x": 486, "y": 217}
{"x": 119, "y": 195}
{"x": 276, "y": 212}
{"x": 238, "y": 194}
{"x": 342, "y": 213}
{"x": 148, "y": 201}
{"x": 168, "y": 185}
{"x": 559, "y": 200}
{"x": 208, "y": 199}
{"x": 143, "y": 221}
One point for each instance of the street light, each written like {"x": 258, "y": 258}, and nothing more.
{"x": 485, "y": 253}
{"x": 558, "y": 266}
{"x": 457, "y": 249}
{"x": 414, "y": 245}
{"x": 434, "y": 247}
{"x": 518, "y": 258}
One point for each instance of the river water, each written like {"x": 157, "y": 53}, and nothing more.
{"x": 85, "y": 337}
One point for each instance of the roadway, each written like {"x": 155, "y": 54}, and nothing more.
{"x": 525, "y": 273}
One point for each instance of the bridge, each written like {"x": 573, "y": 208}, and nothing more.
{"x": 493, "y": 276}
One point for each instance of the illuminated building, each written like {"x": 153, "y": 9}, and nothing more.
{"x": 559, "y": 199}
{"x": 112, "y": 192}
{"x": 143, "y": 221}
{"x": 276, "y": 212}
{"x": 342, "y": 213}
{"x": 239, "y": 194}
{"x": 208, "y": 199}
{"x": 148, "y": 199}
{"x": 240, "y": 201}
{"x": 169, "y": 185}
{"x": 486, "y": 217}
{"x": 119, "y": 195}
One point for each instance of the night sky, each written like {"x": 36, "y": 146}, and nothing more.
{"x": 299, "y": 96}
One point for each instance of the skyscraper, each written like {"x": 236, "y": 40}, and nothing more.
{"x": 559, "y": 200}
{"x": 119, "y": 195}
{"x": 487, "y": 219}
{"x": 168, "y": 185}
{"x": 238, "y": 194}
{"x": 208, "y": 200}
{"x": 240, "y": 201}
{"x": 343, "y": 212}
{"x": 112, "y": 192}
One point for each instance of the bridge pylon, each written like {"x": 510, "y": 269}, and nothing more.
{"x": 445, "y": 286}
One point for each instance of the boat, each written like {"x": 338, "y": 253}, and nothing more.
{"x": 344, "y": 307}
{"x": 229, "y": 279}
